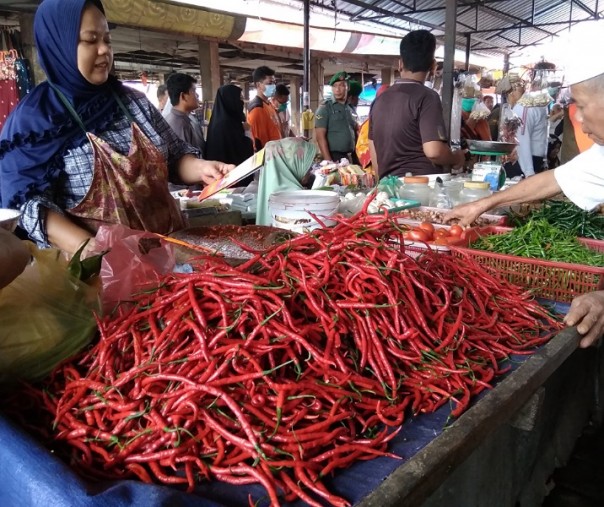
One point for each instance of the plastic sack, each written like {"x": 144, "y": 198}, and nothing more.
{"x": 135, "y": 260}
{"x": 46, "y": 316}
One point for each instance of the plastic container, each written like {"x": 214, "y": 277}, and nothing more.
{"x": 491, "y": 172}
{"x": 9, "y": 218}
{"x": 453, "y": 188}
{"x": 439, "y": 198}
{"x": 292, "y": 210}
{"x": 416, "y": 188}
{"x": 557, "y": 281}
{"x": 474, "y": 190}
{"x": 432, "y": 177}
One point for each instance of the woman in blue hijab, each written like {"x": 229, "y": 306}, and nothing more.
{"x": 82, "y": 149}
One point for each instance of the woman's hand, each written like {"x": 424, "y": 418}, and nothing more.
{"x": 89, "y": 248}
{"x": 193, "y": 170}
{"x": 587, "y": 313}
{"x": 212, "y": 170}
{"x": 64, "y": 234}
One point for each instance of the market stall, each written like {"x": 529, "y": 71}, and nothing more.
{"x": 347, "y": 354}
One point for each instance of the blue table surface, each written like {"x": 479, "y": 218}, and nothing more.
{"x": 31, "y": 476}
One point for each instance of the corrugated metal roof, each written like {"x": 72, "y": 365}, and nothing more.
{"x": 495, "y": 26}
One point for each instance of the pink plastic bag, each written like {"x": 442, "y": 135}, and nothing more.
{"x": 135, "y": 260}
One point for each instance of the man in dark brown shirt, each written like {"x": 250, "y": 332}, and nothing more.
{"x": 406, "y": 128}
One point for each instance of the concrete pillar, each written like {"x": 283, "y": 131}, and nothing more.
{"x": 449, "y": 62}
{"x": 245, "y": 86}
{"x": 209, "y": 64}
{"x": 387, "y": 75}
{"x": 317, "y": 79}
{"x": 26, "y": 25}
{"x": 295, "y": 101}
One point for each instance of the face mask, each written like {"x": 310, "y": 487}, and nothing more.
{"x": 282, "y": 107}
{"x": 269, "y": 90}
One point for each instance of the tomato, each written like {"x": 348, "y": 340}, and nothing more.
{"x": 441, "y": 241}
{"x": 428, "y": 227}
{"x": 441, "y": 232}
{"x": 456, "y": 230}
{"x": 418, "y": 235}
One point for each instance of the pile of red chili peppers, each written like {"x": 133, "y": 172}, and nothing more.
{"x": 284, "y": 369}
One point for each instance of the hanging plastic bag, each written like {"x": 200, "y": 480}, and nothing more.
{"x": 46, "y": 316}
{"x": 509, "y": 123}
{"x": 480, "y": 111}
{"x": 135, "y": 260}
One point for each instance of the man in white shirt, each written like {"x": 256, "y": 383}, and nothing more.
{"x": 581, "y": 180}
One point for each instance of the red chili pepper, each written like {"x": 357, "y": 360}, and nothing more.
{"x": 284, "y": 361}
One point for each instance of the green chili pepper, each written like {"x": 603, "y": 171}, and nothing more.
{"x": 566, "y": 216}
{"x": 539, "y": 239}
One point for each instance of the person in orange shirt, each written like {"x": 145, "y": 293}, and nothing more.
{"x": 261, "y": 114}
{"x": 362, "y": 144}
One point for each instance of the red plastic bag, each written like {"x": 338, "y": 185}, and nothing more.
{"x": 135, "y": 261}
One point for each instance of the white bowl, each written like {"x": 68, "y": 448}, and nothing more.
{"x": 9, "y": 218}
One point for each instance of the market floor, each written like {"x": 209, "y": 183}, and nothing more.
{"x": 581, "y": 482}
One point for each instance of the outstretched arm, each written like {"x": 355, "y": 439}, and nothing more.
{"x": 540, "y": 186}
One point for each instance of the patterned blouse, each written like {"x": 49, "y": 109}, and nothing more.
{"x": 76, "y": 177}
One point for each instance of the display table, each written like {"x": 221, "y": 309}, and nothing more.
{"x": 500, "y": 451}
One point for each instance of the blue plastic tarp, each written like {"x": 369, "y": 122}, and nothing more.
{"x": 30, "y": 476}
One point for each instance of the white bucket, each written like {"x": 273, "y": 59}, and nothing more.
{"x": 290, "y": 209}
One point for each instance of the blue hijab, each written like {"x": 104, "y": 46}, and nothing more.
{"x": 40, "y": 129}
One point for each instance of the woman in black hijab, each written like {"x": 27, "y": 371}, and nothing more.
{"x": 226, "y": 140}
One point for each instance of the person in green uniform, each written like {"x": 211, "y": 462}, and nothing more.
{"x": 334, "y": 122}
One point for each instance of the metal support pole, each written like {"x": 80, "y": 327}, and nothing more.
{"x": 306, "y": 62}
{"x": 468, "y": 46}
{"x": 450, "y": 33}
{"x": 506, "y": 63}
